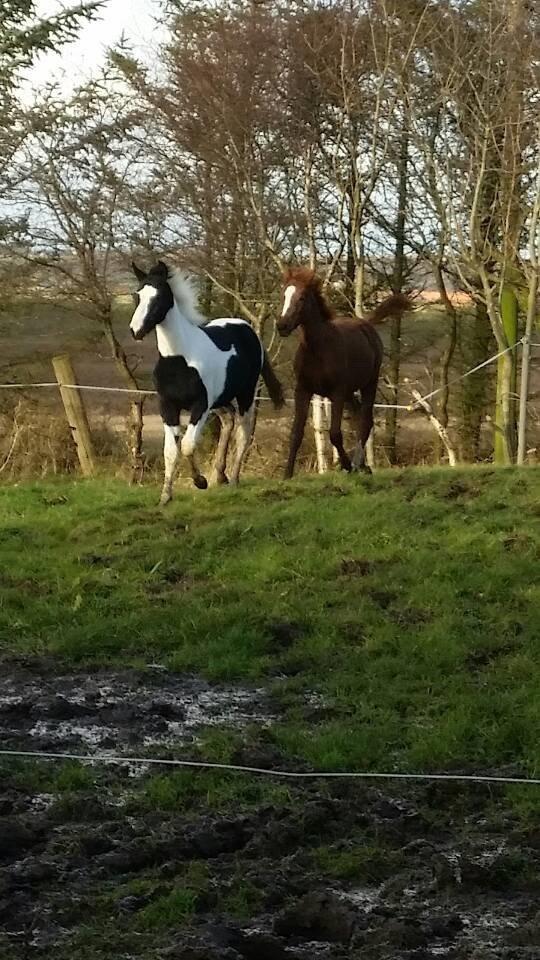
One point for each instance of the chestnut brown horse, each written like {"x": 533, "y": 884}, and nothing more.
{"x": 337, "y": 357}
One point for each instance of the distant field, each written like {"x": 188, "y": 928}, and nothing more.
{"x": 32, "y": 332}
{"x": 329, "y": 623}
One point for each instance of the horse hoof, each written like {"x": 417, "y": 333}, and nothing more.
{"x": 200, "y": 482}
{"x": 164, "y": 500}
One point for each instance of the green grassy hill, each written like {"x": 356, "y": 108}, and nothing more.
{"x": 383, "y": 624}
{"x": 410, "y": 602}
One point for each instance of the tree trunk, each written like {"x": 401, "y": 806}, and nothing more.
{"x": 136, "y": 418}
{"x": 512, "y": 190}
{"x": 504, "y": 448}
{"x": 534, "y": 283}
{"x": 359, "y": 278}
{"x": 476, "y": 343}
{"x": 504, "y": 441}
{"x": 209, "y": 242}
{"x": 394, "y": 360}
{"x": 448, "y": 355}
{"x": 400, "y": 266}
{"x": 207, "y": 296}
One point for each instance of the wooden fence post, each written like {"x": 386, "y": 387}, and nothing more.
{"x": 75, "y": 413}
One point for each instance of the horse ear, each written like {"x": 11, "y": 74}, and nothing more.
{"x": 140, "y": 274}
{"x": 162, "y": 269}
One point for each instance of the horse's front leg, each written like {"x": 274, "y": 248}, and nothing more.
{"x": 170, "y": 415}
{"x": 199, "y": 416}
{"x": 170, "y": 455}
{"x": 302, "y": 400}
{"x": 336, "y": 436}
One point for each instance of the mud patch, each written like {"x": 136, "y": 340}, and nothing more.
{"x": 284, "y": 633}
{"x": 183, "y": 865}
{"x": 460, "y": 490}
{"x": 357, "y": 567}
{"x": 110, "y": 712}
{"x": 383, "y": 598}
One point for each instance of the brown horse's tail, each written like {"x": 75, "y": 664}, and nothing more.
{"x": 394, "y": 305}
{"x": 272, "y": 383}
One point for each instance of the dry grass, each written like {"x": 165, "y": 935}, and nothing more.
{"x": 35, "y": 441}
{"x": 34, "y": 444}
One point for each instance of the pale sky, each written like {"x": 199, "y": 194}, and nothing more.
{"x": 135, "y": 19}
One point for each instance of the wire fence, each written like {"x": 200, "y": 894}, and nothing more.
{"x": 264, "y": 771}
{"x": 410, "y": 407}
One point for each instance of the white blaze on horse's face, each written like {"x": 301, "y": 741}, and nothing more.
{"x": 146, "y": 295}
{"x": 288, "y": 298}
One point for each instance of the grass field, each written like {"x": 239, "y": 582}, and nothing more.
{"x": 392, "y": 622}
{"x": 411, "y": 601}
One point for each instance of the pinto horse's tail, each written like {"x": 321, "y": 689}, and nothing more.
{"x": 272, "y": 383}
{"x": 394, "y": 305}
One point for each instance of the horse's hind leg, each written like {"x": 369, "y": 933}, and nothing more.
{"x": 336, "y": 436}
{"x": 243, "y": 436}
{"x": 218, "y": 474}
{"x": 363, "y": 415}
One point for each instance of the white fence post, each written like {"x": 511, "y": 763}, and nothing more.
{"x": 319, "y": 428}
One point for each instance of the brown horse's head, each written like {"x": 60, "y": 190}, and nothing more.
{"x": 299, "y": 285}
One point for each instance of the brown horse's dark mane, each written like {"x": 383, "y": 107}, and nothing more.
{"x": 307, "y": 279}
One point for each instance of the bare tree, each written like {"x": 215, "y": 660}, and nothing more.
{"x": 482, "y": 82}
{"x": 359, "y": 136}
{"x": 67, "y": 183}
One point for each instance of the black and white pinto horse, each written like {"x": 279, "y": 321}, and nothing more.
{"x": 203, "y": 366}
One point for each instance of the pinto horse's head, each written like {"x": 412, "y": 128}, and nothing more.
{"x": 153, "y": 299}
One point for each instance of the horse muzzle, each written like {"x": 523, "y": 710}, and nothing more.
{"x": 139, "y": 335}
{"x": 285, "y": 329}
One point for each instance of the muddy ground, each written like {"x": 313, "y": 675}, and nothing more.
{"x": 105, "y": 861}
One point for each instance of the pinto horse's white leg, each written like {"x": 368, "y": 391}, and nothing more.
{"x": 218, "y": 474}
{"x": 244, "y": 436}
{"x": 190, "y": 441}
{"x": 170, "y": 455}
